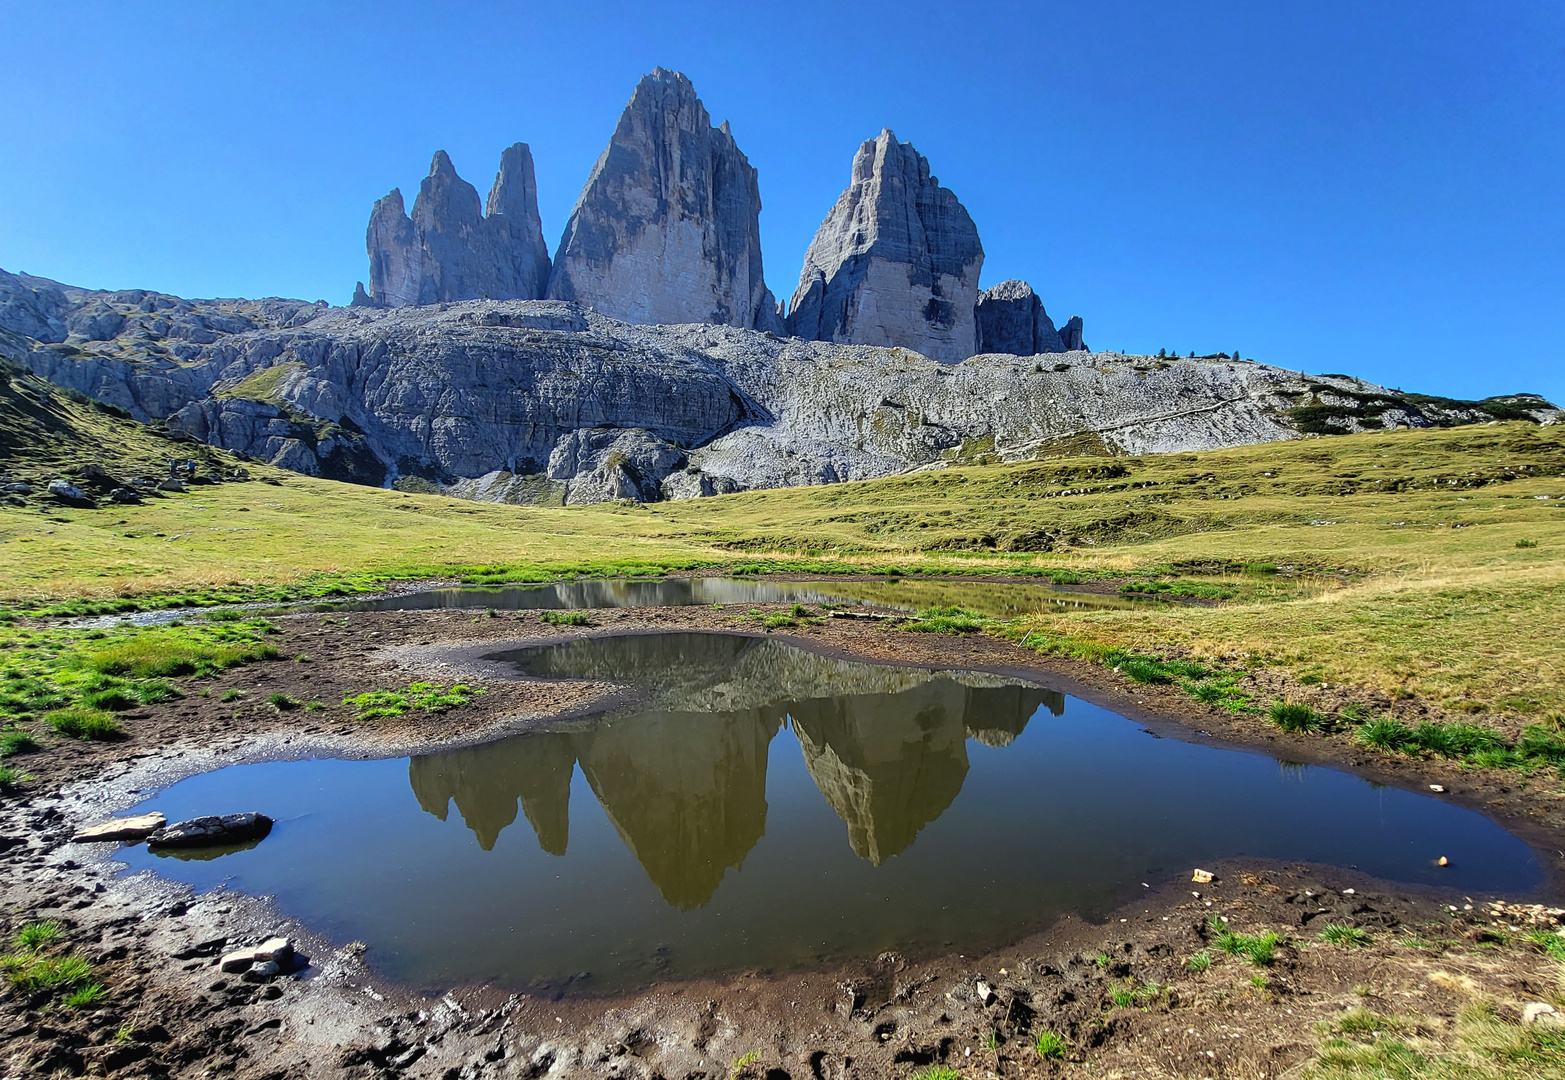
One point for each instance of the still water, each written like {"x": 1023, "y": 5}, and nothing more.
{"x": 762, "y": 806}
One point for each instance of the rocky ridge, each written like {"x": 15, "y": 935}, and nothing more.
{"x": 549, "y": 402}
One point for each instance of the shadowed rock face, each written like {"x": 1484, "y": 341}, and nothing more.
{"x": 451, "y": 250}
{"x": 1011, "y": 320}
{"x": 896, "y": 261}
{"x": 667, "y": 228}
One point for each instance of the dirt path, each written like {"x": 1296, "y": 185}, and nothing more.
{"x": 169, "y": 1011}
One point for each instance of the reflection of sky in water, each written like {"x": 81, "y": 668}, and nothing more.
{"x": 767, "y": 807}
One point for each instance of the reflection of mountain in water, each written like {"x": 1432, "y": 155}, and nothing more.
{"x": 487, "y": 781}
{"x": 686, "y": 791}
{"x": 889, "y": 764}
{"x": 683, "y": 776}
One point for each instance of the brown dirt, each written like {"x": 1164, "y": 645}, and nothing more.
{"x": 169, "y": 1012}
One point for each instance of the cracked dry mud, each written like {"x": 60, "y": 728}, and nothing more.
{"x": 169, "y": 1011}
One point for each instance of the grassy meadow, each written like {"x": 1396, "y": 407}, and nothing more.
{"x": 1414, "y": 562}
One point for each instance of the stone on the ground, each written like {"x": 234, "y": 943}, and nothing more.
{"x": 129, "y": 829}
{"x": 667, "y": 228}
{"x": 68, "y": 493}
{"x": 212, "y": 831}
{"x": 1542, "y": 1014}
{"x": 279, "y": 949}
{"x": 17, "y": 489}
{"x": 236, "y": 961}
{"x": 263, "y": 970}
{"x": 895, "y": 263}
{"x": 124, "y": 495}
{"x": 1201, "y": 877}
{"x": 172, "y": 485}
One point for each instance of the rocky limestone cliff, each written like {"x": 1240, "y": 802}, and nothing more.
{"x": 450, "y": 249}
{"x": 1011, "y": 320}
{"x": 895, "y": 263}
{"x": 667, "y": 228}
{"x": 545, "y": 401}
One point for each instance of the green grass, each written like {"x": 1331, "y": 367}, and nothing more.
{"x": 1392, "y": 555}
{"x": 1538, "y": 746}
{"x": 86, "y": 996}
{"x": 565, "y": 618}
{"x": 1256, "y": 948}
{"x": 79, "y": 722}
{"x": 947, "y": 620}
{"x": 1349, "y": 936}
{"x": 430, "y": 697}
{"x": 283, "y": 702}
{"x": 37, "y": 935}
{"x": 937, "y": 1072}
{"x": 1552, "y": 944}
{"x": 16, "y": 741}
{"x": 1294, "y": 716}
{"x": 1201, "y": 961}
{"x": 10, "y": 777}
{"x": 1049, "y": 1045}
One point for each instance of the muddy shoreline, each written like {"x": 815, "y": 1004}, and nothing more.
{"x": 156, "y": 946}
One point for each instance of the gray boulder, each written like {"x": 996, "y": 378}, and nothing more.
{"x": 667, "y": 228}
{"x": 214, "y": 830}
{"x": 1011, "y": 320}
{"x": 68, "y": 493}
{"x": 895, "y": 263}
{"x": 450, "y": 249}
{"x": 604, "y": 464}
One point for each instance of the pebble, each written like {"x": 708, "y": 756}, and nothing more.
{"x": 264, "y": 970}
{"x": 1202, "y": 877}
{"x": 1542, "y": 1014}
{"x": 239, "y": 960}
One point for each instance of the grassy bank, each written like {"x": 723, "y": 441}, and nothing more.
{"x": 1419, "y": 563}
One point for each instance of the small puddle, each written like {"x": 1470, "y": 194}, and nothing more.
{"x": 902, "y": 595}
{"x": 766, "y": 807}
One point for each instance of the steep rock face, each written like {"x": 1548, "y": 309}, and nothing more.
{"x": 1070, "y": 334}
{"x": 667, "y": 228}
{"x": 450, "y": 249}
{"x": 895, "y": 263}
{"x": 1011, "y": 320}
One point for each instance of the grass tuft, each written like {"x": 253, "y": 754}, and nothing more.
{"x": 1049, "y": 1045}
{"x": 565, "y": 618}
{"x": 1350, "y": 936}
{"x": 78, "y": 722}
{"x": 1294, "y": 716}
{"x": 1256, "y": 948}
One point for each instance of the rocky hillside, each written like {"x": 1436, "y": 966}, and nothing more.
{"x": 549, "y": 402}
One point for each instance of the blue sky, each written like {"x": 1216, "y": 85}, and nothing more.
{"x": 1376, "y": 189}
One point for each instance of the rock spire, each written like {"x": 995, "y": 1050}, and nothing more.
{"x": 1011, "y": 319}
{"x": 896, "y": 261}
{"x": 450, "y": 248}
{"x": 667, "y": 228}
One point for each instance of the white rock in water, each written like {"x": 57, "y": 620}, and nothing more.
{"x": 895, "y": 263}
{"x": 667, "y": 228}
{"x": 130, "y": 829}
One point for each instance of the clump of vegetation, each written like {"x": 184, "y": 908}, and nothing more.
{"x": 430, "y": 697}
{"x": 937, "y": 1072}
{"x": 1550, "y": 941}
{"x": 1295, "y": 716}
{"x": 283, "y": 702}
{"x": 16, "y": 741}
{"x": 777, "y": 620}
{"x": 1049, "y": 1045}
{"x": 35, "y": 965}
{"x": 565, "y": 618}
{"x": 1256, "y": 948}
{"x": 947, "y": 620}
{"x": 1526, "y": 543}
{"x": 1201, "y": 961}
{"x": 1349, "y": 936}
{"x": 9, "y": 777}
{"x": 1538, "y": 745}
{"x": 79, "y": 722}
